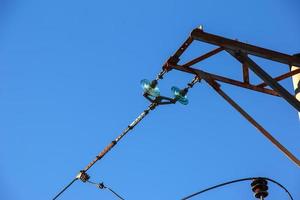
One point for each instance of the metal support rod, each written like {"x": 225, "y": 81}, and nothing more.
{"x": 108, "y": 148}
{"x": 175, "y": 58}
{"x": 224, "y": 79}
{"x": 234, "y": 45}
{"x": 281, "y": 77}
{"x": 242, "y": 84}
{"x": 203, "y": 57}
{"x": 183, "y": 47}
{"x": 114, "y": 142}
{"x": 217, "y": 88}
{"x": 245, "y": 73}
{"x": 243, "y": 58}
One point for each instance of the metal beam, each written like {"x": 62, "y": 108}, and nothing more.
{"x": 281, "y": 77}
{"x": 234, "y": 45}
{"x": 245, "y": 73}
{"x": 203, "y": 57}
{"x": 225, "y": 80}
{"x": 210, "y": 79}
{"x": 175, "y": 58}
{"x": 275, "y": 142}
{"x": 243, "y": 58}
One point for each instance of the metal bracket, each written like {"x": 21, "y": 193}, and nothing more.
{"x": 83, "y": 176}
{"x": 160, "y": 100}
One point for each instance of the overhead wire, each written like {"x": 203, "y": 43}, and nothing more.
{"x": 154, "y": 103}
{"x": 65, "y": 188}
{"x": 102, "y": 186}
{"x": 235, "y": 181}
{"x": 280, "y": 185}
{"x": 172, "y": 60}
{"x": 83, "y": 176}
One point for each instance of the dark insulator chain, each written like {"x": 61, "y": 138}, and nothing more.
{"x": 151, "y": 92}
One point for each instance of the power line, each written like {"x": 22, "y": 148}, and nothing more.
{"x": 102, "y": 186}
{"x": 151, "y": 93}
{"x": 280, "y": 185}
{"x": 240, "y": 52}
{"x": 83, "y": 176}
{"x": 235, "y": 181}
{"x": 65, "y": 188}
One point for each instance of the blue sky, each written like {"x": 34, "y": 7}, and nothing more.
{"x": 69, "y": 84}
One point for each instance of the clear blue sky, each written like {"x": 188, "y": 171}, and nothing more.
{"x": 69, "y": 84}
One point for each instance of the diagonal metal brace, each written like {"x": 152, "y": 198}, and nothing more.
{"x": 216, "y": 86}
{"x": 243, "y": 58}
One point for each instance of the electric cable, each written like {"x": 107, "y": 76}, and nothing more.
{"x": 280, "y": 185}
{"x": 65, "y": 188}
{"x": 156, "y": 100}
{"x": 235, "y": 181}
{"x": 83, "y": 176}
{"x": 102, "y": 186}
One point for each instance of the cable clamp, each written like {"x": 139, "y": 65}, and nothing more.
{"x": 101, "y": 185}
{"x": 83, "y": 176}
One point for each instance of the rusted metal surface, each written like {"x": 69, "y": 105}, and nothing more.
{"x": 203, "y": 57}
{"x": 114, "y": 142}
{"x": 225, "y": 80}
{"x": 217, "y": 88}
{"x": 175, "y": 58}
{"x": 243, "y": 58}
{"x": 245, "y": 73}
{"x": 243, "y": 84}
{"x": 183, "y": 47}
{"x": 281, "y": 77}
{"x": 234, "y": 45}
{"x": 240, "y": 51}
{"x": 160, "y": 100}
{"x": 100, "y": 155}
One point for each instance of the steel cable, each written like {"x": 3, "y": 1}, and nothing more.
{"x": 235, "y": 181}
{"x": 64, "y": 189}
{"x": 102, "y": 186}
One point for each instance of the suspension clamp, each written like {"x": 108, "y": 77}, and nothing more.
{"x": 101, "y": 185}
{"x": 83, "y": 176}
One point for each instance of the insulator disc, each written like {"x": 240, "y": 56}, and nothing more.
{"x": 146, "y": 85}
{"x": 180, "y": 98}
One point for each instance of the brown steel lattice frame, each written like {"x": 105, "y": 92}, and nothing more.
{"x": 240, "y": 52}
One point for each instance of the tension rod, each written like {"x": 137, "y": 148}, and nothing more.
{"x": 82, "y": 174}
{"x": 114, "y": 142}
{"x": 160, "y": 100}
{"x": 217, "y": 88}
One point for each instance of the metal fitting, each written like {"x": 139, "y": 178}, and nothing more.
{"x": 83, "y": 176}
